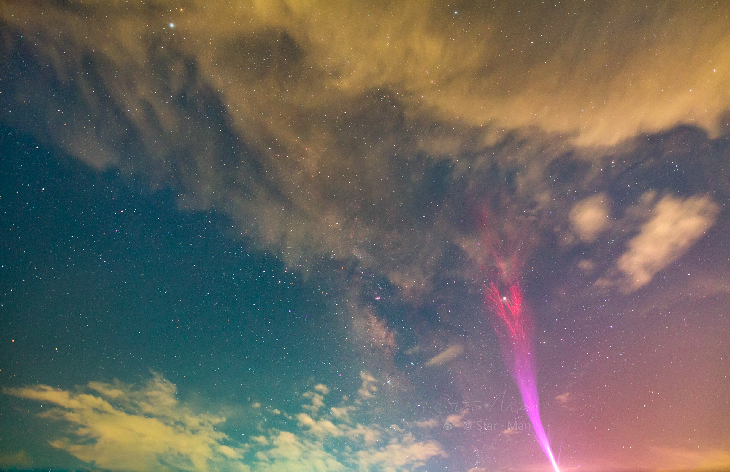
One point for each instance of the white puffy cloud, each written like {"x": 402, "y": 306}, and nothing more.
{"x": 590, "y": 216}
{"x": 674, "y": 226}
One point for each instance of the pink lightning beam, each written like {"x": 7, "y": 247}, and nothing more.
{"x": 515, "y": 337}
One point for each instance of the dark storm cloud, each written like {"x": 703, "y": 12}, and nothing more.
{"x": 375, "y": 134}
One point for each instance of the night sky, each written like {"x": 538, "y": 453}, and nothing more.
{"x": 258, "y": 236}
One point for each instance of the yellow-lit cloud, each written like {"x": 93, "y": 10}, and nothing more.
{"x": 308, "y": 122}
{"x": 118, "y": 427}
{"x": 667, "y": 459}
{"x": 392, "y": 457}
{"x": 145, "y": 429}
{"x": 19, "y": 459}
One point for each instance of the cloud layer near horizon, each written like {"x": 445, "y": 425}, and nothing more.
{"x": 117, "y": 426}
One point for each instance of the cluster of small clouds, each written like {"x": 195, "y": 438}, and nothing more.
{"x": 117, "y": 426}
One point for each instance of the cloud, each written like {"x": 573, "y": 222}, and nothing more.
{"x": 352, "y": 134}
{"x": 292, "y": 453}
{"x": 590, "y": 216}
{"x": 368, "y": 388}
{"x": 450, "y": 353}
{"x": 117, "y": 426}
{"x": 18, "y": 459}
{"x": 666, "y": 458}
{"x": 674, "y": 226}
{"x": 402, "y": 451}
{"x": 514, "y": 74}
{"x": 141, "y": 429}
{"x": 395, "y": 456}
{"x": 316, "y": 399}
{"x": 563, "y": 398}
